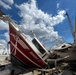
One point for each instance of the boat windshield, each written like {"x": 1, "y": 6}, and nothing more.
{"x": 38, "y": 46}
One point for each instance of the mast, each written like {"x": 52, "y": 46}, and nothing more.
{"x": 71, "y": 27}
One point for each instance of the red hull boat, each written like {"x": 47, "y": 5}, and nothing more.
{"x": 25, "y": 52}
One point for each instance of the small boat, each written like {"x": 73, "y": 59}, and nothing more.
{"x": 25, "y": 52}
{"x": 63, "y": 49}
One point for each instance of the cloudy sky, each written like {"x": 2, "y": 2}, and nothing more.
{"x": 46, "y": 18}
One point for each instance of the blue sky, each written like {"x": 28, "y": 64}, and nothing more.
{"x": 46, "y": 18}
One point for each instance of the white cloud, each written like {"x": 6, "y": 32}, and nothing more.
{"x": 3, "y": 43}
{"x": 6, "y": 3}
{"x": 6, "y": 35}
{"x": 3, "y": 25}
{"x": 10, "y": 2}
{"x": 40, "y": 22}
{"x": 57, "y": 5}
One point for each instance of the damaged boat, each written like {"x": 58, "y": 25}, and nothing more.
{"x": 24, "y": 52}
{"x": 29, "y": 53}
